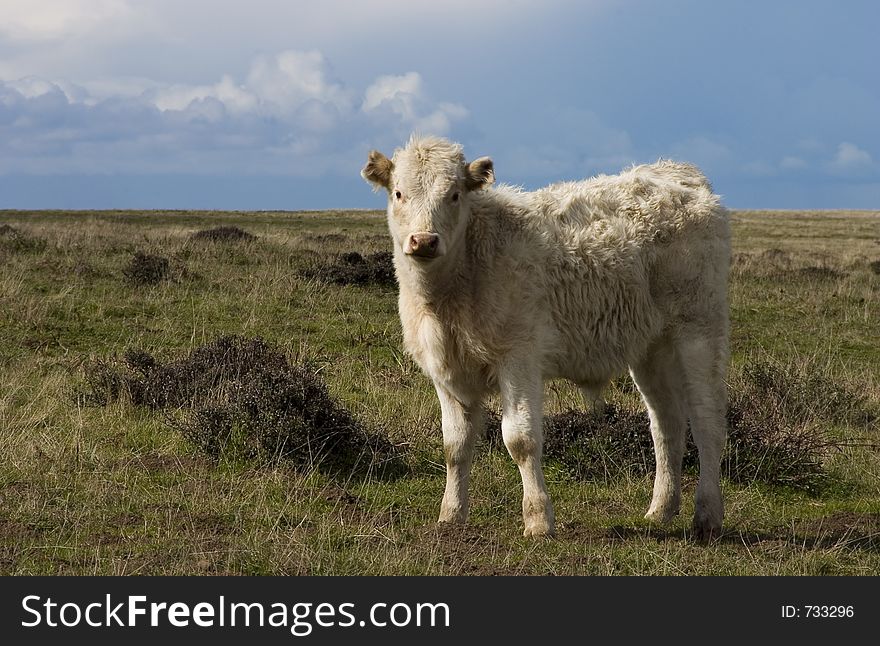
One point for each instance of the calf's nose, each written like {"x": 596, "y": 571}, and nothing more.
{"x": 423, "y": 244}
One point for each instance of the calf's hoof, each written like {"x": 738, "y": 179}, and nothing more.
{"x": 540, "y": 523}
{"x": 540, "y": 530}
{"x": 452, "y": 517}
{"x": 453, "y": 510}
{"x": 538, "y": 516}
{"x": 706, "y": 527}
{"x": 662, "y": 515}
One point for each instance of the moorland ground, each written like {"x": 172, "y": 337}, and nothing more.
{"x": 98, "y": 482}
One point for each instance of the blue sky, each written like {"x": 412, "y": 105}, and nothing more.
{"x": 274, "y": 105}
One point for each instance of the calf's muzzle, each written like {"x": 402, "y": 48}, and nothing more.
{"x": 422, "y": 245}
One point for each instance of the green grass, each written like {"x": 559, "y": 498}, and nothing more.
{"x": 116, "y": 490}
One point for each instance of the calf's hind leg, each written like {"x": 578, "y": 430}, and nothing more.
{"x": 703, "y": 361}
{"x": 594, "y": 402}
{"x": 660, "y": 382}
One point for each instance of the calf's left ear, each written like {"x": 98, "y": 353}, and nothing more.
{"x": 378, "y": 170}
{"x": 479, "y": 174}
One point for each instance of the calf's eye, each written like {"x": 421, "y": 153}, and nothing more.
{"x": 397, "y": 194}
{"x": 455, "y": 197}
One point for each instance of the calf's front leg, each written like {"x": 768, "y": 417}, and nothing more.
{"x": 522, "y": 391}
{"x": 462, "y": 424}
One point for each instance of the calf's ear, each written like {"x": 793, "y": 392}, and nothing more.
{"x": 479, "y": 174}
{"x": 378, "y": 170}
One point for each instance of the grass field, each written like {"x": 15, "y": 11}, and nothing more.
{"x": 112, "y": 487}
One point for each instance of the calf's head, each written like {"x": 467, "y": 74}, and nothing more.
{"x": 429, "y": 187}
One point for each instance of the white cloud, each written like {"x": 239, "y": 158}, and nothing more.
{"x": 43, "y": 20}
{"x": 32, "y": 87}
{"x": 286, "y": 115}
{"x": 291, "y": 78}
{"x": 275, "y": 86}
{"x": 850, "y": 157}
{"x": 233, "y": 97}
{"x": 194, "y": 40}
{"x": 404, "y": 97}
{"x": 792, "y": 162}
{"x": 398, "y": 92}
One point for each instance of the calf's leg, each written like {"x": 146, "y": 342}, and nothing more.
{"x": 703, "y": 362}
{"x": 594, "y": 402}
{"x": 462, "y": 424}
{"x": 522, "y": 430}
{"x": 660, "y": 382}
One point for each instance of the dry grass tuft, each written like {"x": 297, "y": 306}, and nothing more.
{"x": 223, "y": 234}
{"x": 779, "y": 418}
{"x": 352, "y": 268}
{"x": 16, "y": 241}
{"x": 146, "y": 269}
{"x": 778, "y": 431}
{"x": 238, "y": 398}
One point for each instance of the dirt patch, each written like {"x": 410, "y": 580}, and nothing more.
{"x": 466, "y": 549}
{"x": 223, "y": 234}
{"x": 459, "y": 533}
{"x": 210, "y": 524}
{"x": 875, "y": 266}
{"x": 158, "y": 463}
{"x": 576, "y": 531}
{"x": 849, "y": 530}
{"x": 85, "y": 269}
{"x": 16, "y": 488}
{"x": 842, "y": 529}
{"x": 126, "y": 519}
{"x": 120, "y": 528}
{"x": 820, "y": 272}
{"x": 326, "y": 238}
{"x": 336, "y": 495}
{"x": 776, "y": 256}
{"x": 14, "y": 531}
{"x": 782, "y": 266}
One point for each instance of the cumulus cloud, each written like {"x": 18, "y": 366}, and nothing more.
{"x": 287, "y": 115}
{"x": 232, "y": 96}
{"x": 293, "y": 78}
{"x": 276, "y": 86}
{"x": 850, "y": 157}
{"x": 404, "y": 97}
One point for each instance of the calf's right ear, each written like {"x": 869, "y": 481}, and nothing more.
{"x": 378, "y": 170}
{"x": 479, "y": 174}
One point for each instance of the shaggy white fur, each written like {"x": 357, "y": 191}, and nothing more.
{"x": 501, "y": 289}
